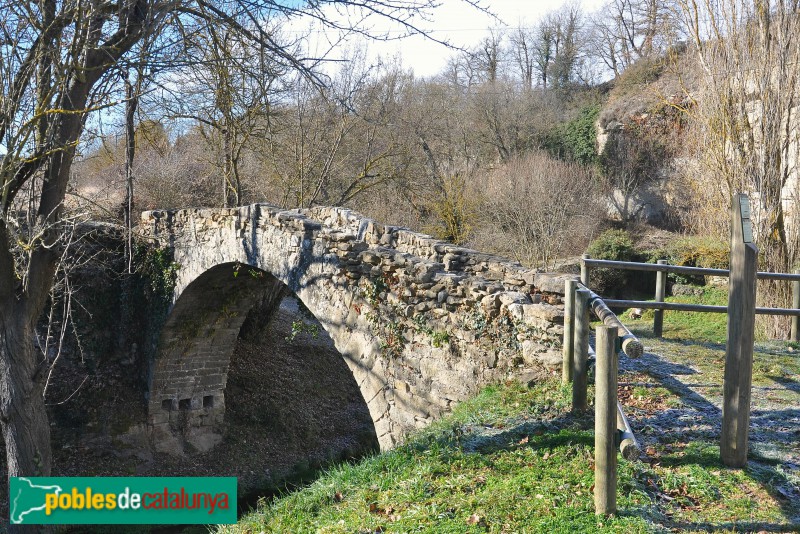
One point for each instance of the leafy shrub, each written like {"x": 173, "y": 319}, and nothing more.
{"x": 575, "y": 140}
{"x": 615, "y": 245}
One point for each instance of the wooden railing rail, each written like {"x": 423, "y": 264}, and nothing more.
{"x": 662, "y": 267}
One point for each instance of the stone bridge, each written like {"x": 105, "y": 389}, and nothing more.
{"x": 421, "y": 323}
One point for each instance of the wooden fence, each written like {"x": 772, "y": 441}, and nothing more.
{"x": 612, "y": 429}
{"x": 658, "y": 304}
{"x": 611, "y": 426}
{"x": 741, "y": 311}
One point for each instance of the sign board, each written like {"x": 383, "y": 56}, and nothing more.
{"x": 747, "y": 225}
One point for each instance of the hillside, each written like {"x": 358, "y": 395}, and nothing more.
{"x": 645, "y": 140}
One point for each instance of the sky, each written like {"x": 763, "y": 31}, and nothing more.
{"x": 454, "y": 21}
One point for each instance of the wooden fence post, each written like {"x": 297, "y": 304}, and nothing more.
{"x": 581, "y": 351}
{"x": 741, "y": 330}
{"x": 584, "y": 270}
{"x": 796, "y": 305}
{"x": 605, "y": 421}
{"x": 661, "y": 291}
{"x": 570, "y": 286}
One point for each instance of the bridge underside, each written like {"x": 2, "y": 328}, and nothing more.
{"x": 189, "y": 373}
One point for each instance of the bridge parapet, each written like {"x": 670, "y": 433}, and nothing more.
{"x": 452, "y": 257}
{"x": 421, "y": 323}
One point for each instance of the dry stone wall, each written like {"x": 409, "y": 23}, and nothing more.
{"x": 420, "y": 322}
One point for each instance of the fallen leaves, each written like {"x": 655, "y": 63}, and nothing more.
{"x": 387, "y": 512}
{"x": 477, "y": 520}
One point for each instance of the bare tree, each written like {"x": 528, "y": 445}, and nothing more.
{"x": 442, "y": 153}
{"x": 568, "y": 44}
{"x": 544, "y": 49}
{"x": 227, "y": 89}
{"x": 334, "y": 144}
{"x": 553, "y": 48}
{"x": 750, "y": 56}
{"x": 461, "y": 72}
{"x": 523, "y": 53}
{"x": 627, "y": 30}
{"x": 488, "y": 55}
{"x": 58, "y": 63}
{"x": 56, "y": 70}
{"x": 537, "y": 209}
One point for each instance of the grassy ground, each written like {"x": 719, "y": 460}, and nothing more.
{"x": 673, "y": 396}
{"x": 515, "y": 460}
{"x": 703, "y": 327}
{"x": 510, "y": 460}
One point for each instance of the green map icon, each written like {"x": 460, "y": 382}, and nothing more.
{"x": 27, "y": 500}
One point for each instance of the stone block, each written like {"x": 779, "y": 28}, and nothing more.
{"x": 515, "y": 311}
{"x": 203, "y": 440}
{"x": 382, "y": 427}
{"x": 512, "y": 297}
{"x": 534, "y": 353}
{"x": 158, "y": 418}
{"x": 545, "y": 312}
{"x": 553, "y": 282}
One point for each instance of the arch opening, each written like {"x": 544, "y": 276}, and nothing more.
{"x": 228, "y": 311}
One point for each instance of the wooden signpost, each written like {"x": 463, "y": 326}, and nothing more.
{"x": 661, "y": 291}
{"x": 741, "y": 328}
{"x": 570, "y": 287}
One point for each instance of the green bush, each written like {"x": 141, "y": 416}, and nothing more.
{"x": 575, "y": 140}
{"x": 615, "y": 245}
{"x": 695, "y": 251}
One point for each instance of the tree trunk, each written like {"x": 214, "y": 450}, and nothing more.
{"x": 23, "y": 416}
{"x": 229, "y": 194}
{"x": 131, "y": 103}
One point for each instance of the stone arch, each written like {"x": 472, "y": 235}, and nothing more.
{"x": 188, "y": 375}
{"x": 407, "y": 313}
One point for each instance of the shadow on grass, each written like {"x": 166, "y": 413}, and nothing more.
{"x": 646, "y": 332}
{"x": 565, "y": 430}
{"x": 663, "y": 371}
{"x": 788, "y": 383}
{"x": 699, "y": 421}
{"x": 764, "y": 473}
